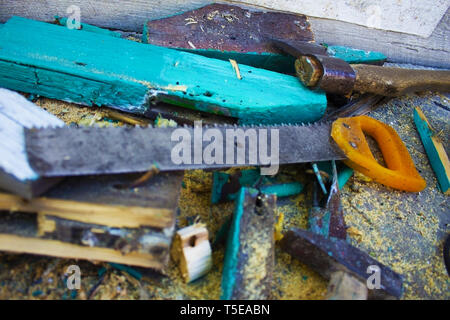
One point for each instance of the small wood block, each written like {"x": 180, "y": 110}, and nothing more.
{"x": 435, "y": 150}
{"x": 249, "y": 255}
{"x": 343, "y": 286}
{"x": 90, "y": 218}
{"x": 191, "y": 250}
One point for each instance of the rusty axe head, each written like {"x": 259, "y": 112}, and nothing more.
{"x": 330, "y": 255}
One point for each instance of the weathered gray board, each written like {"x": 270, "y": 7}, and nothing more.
{"x": 17, "y": 113}
{"x": 130, "y": 15}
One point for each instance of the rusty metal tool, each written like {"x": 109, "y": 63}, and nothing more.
{"x": 332, "y": 257}
{"x": 325, "y": 249}
{"x": 225, "y": 31}
{"x": 121, "y": 150}
{"x": 317, "y": 70}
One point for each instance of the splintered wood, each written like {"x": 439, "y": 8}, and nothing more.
{"x": 90, "y": 218}
{"x": 192, "y": 251}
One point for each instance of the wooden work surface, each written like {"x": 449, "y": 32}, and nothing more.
{"x": 402, "y": 230}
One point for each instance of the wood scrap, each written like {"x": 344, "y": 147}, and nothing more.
{"x": 191, "y": 250}
{"x": 249, "y": 257}
{"x": 17, "y": 113}
{"x": 88, "y": 218}
{"x": 128, "y": 76}
{"x": 435, "y": 150}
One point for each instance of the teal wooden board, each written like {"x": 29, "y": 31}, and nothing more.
{"x": 439, "y": 161}
{"x": 97, "y": 69}
{"x": 285, "y": 64}
{"x": 232, "y": 250}
{"x": 249, "y": 178}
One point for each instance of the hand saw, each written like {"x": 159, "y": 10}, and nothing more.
{"x": 68, "y": 151}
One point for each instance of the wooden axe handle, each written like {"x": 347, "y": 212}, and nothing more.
{"x": 389, "y": 81}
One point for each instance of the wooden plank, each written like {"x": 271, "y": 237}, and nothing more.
{"x": 17, "y": 113}
{"x": 215, "y": 31}
{"x": 54, "y": 248}
{"x": 93, "y": 218}
{"x": 249, "y": 256}
{"x": 433, "y": 51}
{"x": 127, "y": 15}
{"x": 435, "y": 150}
{"x": 131, "y": 15}
{"x": 391, "y": 15}
{"x": 128, "y": 75}
{"x": 112, "y": 216}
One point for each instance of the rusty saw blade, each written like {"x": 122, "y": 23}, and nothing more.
{"x": 70, "y": 151}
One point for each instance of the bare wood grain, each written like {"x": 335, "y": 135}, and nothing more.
{"x": 13, "y": 243}
{"x": 398, "y": 47}
{"x": 127, "y": 15}
{"x": 113, "y": 216}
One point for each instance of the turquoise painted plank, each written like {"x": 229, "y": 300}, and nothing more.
{"x": 435, "y": 150}
{"x": 248, "y": 178}
{"x": 285, "y": 64}
{"x": 265, "y": 60}
{"x": 97, "y": 69}
{"x": 283, "y": 189}
{"x": 232, "y": 249}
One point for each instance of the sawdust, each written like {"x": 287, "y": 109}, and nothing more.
{"x": 73, "y": 114}
{"x": 402, "y": 230}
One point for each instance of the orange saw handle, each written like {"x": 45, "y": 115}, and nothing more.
{"x": 400, "y": 173}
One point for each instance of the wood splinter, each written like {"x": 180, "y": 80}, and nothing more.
{"x": 191, "y": 250}
{"x": 236, "y": 68}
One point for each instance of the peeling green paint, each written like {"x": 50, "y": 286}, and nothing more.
{"x": 232, "y": 249}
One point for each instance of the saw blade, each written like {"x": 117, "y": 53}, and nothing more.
{"x": 70, "y": 151}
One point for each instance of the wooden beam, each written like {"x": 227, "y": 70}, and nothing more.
{"x": 12, "y": 243}
{"x": 112, "y": 216}
{"x": 127, "y": 75}
{"x": 92, "y": 218}
{"x": 130, "y": 15}
{"x": 433, "y": 51}
{"x": 17, "y": 113}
